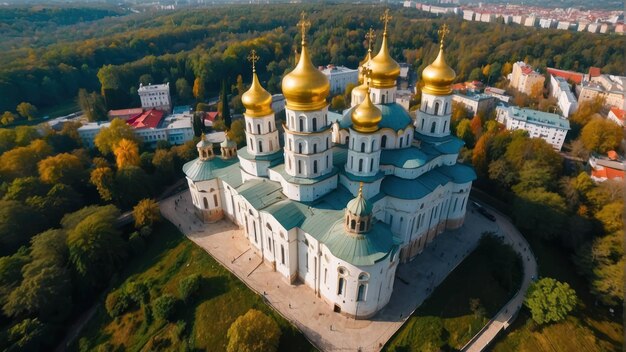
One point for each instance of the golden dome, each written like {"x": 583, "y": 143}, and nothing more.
{"x": 366, "y": 116}
{"x": 385, "y": 70}
{"x": 359, "y": 92}
{"x": 305, "y": 88}
{"x": 438, "y": 76}
{"x": 257, "y": 100}
{"x": 363, "y": 64}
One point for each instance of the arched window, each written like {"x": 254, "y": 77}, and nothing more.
{"x": 299, "y": 148}
{"x": 360, "y": 165}
{"x": 327, "y": 142}
{"x": 445, "y": 124}
{"x": 340, "y": 286}
{"x": 206, "y": 203}
{"x": 436, "y": 108}
{"x": 383, "y": 142}
{"x": 258, "y": 129}
{"x": 315, "y": 124}
{"x": 361, "y": 225}
{"x": 400, "y": 144}
{"x": 260, "y": 147}
{"x": 269, "y": 126}
{"x": 422, "y": 128}
{"x": 347, "y": 140}
{"x": 445, "y": 108}
{"x": 363, "y": 147}
{"x": 371, "y": 165}
{"x": 433, "y": 126}
{"x": 314, "y": 166}
{"x": 282, "y": 254}
{"x": 373, "y": 144}
{"x": 301, "y": 124}
{"x": 215, "y": 199}
{"x": 327, "y": 161}
{"x": 408, "y": 139}
{"x": 361, "y": 293}
{"x": 251, "y": 144}
{"x": 315, "y": 148}
{"x": 353, "y": 224}
{"x": 299, "y": 166}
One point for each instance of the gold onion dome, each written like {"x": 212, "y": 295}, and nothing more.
{"x": 257, "y": 101}
{"x": 364, "y": 63}
{"x": 305, "y": 88}
{"x": 360, "y": 92}
{"x": 438, "y": 76}
{"x": 385, "y": 70}
{"x": 366, "y": 116}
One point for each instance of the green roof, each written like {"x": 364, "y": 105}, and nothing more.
{"x": 426, "y": 183}
{"x": 440, "y": 145}
{"x": 359, "y": 206}
{"x": 394, "y": 117}
{"x": 360, "y": 249}
{"x": 198, "y": 170}
{"x": 230, "y": 174}
{"x": 538, "y": 117}
{"x": 287, "y": 212}
{"x": 301, "y": 180}
{"x": 261, "y": 193}
{"x": 274, "y": 158}
{"x": 406, "y": 158}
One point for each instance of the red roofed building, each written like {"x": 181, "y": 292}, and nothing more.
{"x": 526, "y": 80}
{"x": 149, "y": 119}
{"x": 125, "y": 114}
{"x": 568, "y": 75}
{"x": 617, "y": 115}
{"x": 594, "y": 72}
{"x": 609, "y": 167}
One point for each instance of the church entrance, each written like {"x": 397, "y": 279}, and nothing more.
{"x": 337, "y": 309}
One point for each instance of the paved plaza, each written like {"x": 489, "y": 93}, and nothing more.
{"x": 327, "y": 330}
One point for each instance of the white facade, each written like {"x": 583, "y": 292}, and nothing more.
{"x": 433, "y": 117}
{"x": 550, "y": 127}
{"x": 525, "y": 79}
{"x": 560, "y": 89}
{"x": 340, "y": 76}
{"x": 476, "y": 103}
{"x": 155, "y": 96}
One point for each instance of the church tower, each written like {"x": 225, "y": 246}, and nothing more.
{"x": 307, "y": 132}
{"x": 433, "y": 118}
{"x": 358, "y": 214}
{"x": 261, "y": 132}
{"x": 364, "y": 145}
{"x": 358, "y": 93}
{"x": 385, "y": 71}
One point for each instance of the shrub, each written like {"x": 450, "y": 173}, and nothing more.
{"x": 164, "y": 307}
{"x": 117, "y": 302}
{"x": 138, "y": 292}
{"x": 253, "y": 331}
{"x": 189, "y": 286}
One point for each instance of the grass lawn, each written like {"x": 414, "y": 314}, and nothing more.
{"x": 199, "y": 324}
{"x": 445, "y": 321}
{"x": 590, "y": 328}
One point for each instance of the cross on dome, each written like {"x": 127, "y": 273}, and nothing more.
{"x": 370, "y": 36}
{"x": 443, "y": 31}
{"x": 361, "y": 188}
{"x": 386, "y": 17}
{"x": 303, "y": 24}
{"x": 253, "y": 57}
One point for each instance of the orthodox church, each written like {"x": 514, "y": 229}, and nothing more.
{"x": 344, "y": 198}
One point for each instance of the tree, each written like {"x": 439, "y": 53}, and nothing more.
{"x": 18, "y": 222}
{"x": 189, "y": 286}
{"x": 7, "y": 139}
{"x": 93, "y": 105}
{"x": 476, "y": 124}
{"x": 183, "y": 89}
{"x": 507, "y": 68}
{"x": 338, "y": 103}
{"x": 27, "y": 335}
{"x": 165, "y": 163}
{"x": 253, "y": 332}
{"x": 164, "y": 307}
{"x": 237, "y": 132}
{"x": 550, "y": 300}
{"x": 146, "y": 79}
{"x": 198, "y": 89}
{"x": 126, "y": 153}
{"x": 25, "y": 187}
{"x": 146, "y": 213}
{"x": 26, "y": 110}
{"x": 601, "y": 135}
{"x": 464, "y": 131}
{"x": 7, "y": 118}
{"x": 50, "y": 246}
{"x": 95, "y": 246}
{"x": 475, "y": 75}
{"x": 24, "y": 135}
{"x": 108, "y": 137}
{"x": 117, "y": 302}
{"x": 131, "y": 185}
{"x": 610, "y": 216}
{"x": 225, "y": 113}
{"x": 102, "y": 178}
{"x": 22, "y": 161}
{"x": 479, "y": 154}
{"x": 62, "y": 168}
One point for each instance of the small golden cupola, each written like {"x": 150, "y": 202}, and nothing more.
{"x": 385, "y": 70}
{"x": 256, "y": 100}
{"x": 438, "y": 76}
{"x": 305, "y": 88}
{"x": 366, "y": 116}
{"x": 370, "y": 36}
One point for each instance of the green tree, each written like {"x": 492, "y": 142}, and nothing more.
{"x": 131, "y": 185}
{"x": 27, "y": 335}
{"x": 146, "y": 213}
{"x": 183, "y": 89}
{"x": 93, "y": 105}
{"x": 189, "y": 286}
{"x": 108, "y": 137}
{"x": 7, "y": 139}
{"x": 95, "y": 246}
{"x": 146, "y": 79}
{"x": 51, "y": 246}
{"x": 601, "y": 135}
{"x": 7, "y": 118}
{"x": 11, "y": 273}
{"x": 24, "y": 135}
{"x": 198, "y": 123}
{"x": 338, "y": 103}
{"x": 24, "y": 187}
{"x": 22, "y": 161}
{"x": 18, "y": 222}
{"x": 164, "y": 307}
{"x": 464, "y": 131}
{"x": 237, "y": 132}
{"x": 117, "y": 302}
{"x": 62, "y": 168}
{"x": 253, "y": 332}
{"x": 225, "y": 113}
{"x": 165, "y": 163}
{"x": 550, "y": 300}
{"x": 26, "y": 110}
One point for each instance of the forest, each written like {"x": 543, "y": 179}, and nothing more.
{"x": 209, "y": 45}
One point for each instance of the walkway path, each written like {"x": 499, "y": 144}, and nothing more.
{"x": 329, "y": 331}
{"x": 508, "y": 313}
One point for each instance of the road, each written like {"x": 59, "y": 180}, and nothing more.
{"x": 508, "y": 313}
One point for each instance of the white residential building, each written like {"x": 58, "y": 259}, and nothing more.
{"x": 550, "y": 127}
{"x": 475, "y": 103}
{"x": 560, "y": 90}
{"x": 340, "y": 76}
{"x": 155, "y": 96}
{"x": 525, "y": 79}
